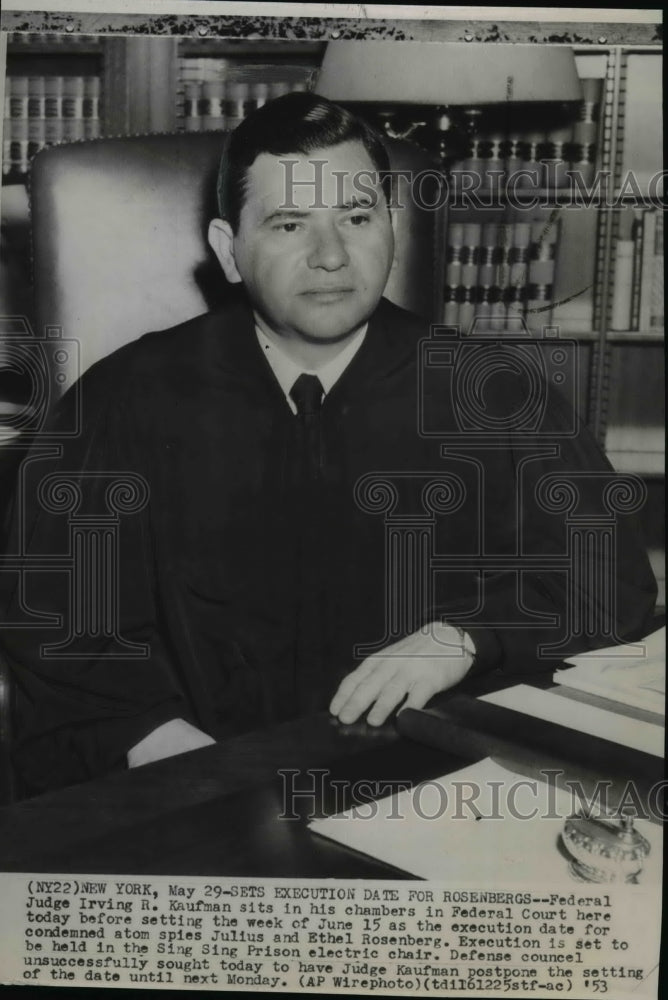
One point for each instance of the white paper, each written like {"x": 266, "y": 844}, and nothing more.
{"x": 552, "y": 707}
{"x": 442, "y": 836}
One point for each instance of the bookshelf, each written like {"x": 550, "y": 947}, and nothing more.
{"x": 141, "y": 83}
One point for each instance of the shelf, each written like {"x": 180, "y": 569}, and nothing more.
{"x": 234, "y": 48}
{"x": 635, "y": 336}
{"x": 56, "y": 51}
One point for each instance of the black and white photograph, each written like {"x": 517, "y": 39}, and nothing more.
{"x": 332, "y": 556}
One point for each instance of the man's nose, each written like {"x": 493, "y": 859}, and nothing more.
{"x": 328, "y": 249}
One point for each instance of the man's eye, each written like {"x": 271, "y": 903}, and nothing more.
{"x": 288, "y": 227}
{"x": 358, "y": 220}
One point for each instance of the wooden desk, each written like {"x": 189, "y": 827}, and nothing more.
{"x": 215, "y": 811}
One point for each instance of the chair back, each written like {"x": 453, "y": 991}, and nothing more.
{"x": 119, "y": 238}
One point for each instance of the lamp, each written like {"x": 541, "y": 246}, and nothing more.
{"x": 437, "y": 93}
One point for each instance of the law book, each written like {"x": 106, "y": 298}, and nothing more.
{"x": 647, "y": 268}
{"x": 238, "y": 102}
{"x": 518, "y": 273}
{"x": 17, "y": 87}
{"x": 532, "y": 167}
{"x": 488, "y": 292}
{"x": 260, "y": 93}
{"x": 542, "y": 261}
{"x": 453, "y": 273}
{"x": 494, "y": 167}
{"x": 192, "y": 91}
{"x": 91, "y": 107}
{"x": 504, "y": 239}
{"x": 557, "y": 152}
{"x": 53, "y": 110}
{"x": 637, "y": 236}
{"x": 212, "y": 105}
{"x": 575, "y": 272}
{"x": 586, "y": 131}
{"x": 36, "y": 123}
{"x": 474, "y": 165}
{"x": 622, "y": 285}
{"x": 513, "y": 158}
{"x": 468, "y": 289}
{"x": 17, "y": 124}
{"x": 657, "y": 300}
{"x": 73, "y": 97}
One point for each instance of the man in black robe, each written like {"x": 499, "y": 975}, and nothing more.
{"x": 253, "y": 580}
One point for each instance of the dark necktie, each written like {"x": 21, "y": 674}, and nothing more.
{"x": 307, "y": 393}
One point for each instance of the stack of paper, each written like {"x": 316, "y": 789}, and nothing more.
{"x": 484, "y": 825}
{"x": 634, "y": 675}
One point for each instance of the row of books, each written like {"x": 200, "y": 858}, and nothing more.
{"x": 499, "y": 274}
{"x": 219, "y": 93}
{"x": 17, "y": 38}
{"x": 529, "y": 153}
{"x": 44, "y": 110}
{"x": 637, "y": 300}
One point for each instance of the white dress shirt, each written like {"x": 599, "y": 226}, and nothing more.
{"x": 288, "y": 371}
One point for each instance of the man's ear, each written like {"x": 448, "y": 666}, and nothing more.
{"x": 221, "y": 241}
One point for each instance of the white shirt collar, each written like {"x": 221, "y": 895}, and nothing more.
{"x": 288, "y": 371}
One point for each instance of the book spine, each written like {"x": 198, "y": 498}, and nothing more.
{"x": 73, "y": 95}
{"x": 192, "y": 92}
{"x": 586, "y": 131}
{"x": 657, "y": 306}
{"x": 637, "y": 238}
{"x": 260, "y": 93}
{"x": 6, "y": 141}
{"x": 532, "y": 168}
{"x": 453, "y": 274}
{"x": 542, "y": 262}
{"x": 518, "y": 274}
{"x": 238, "y": 103}
{"x": 622, "y": 285}
{"x": 494, "y": 168}
{"x": 487, "y": 288}
{"x": 53, "y": 110}
{"x": 513, "y": 159}
{"x": 91, "y": 107}
{"x": 647, "y": 268}
{"x": 36, "y": 125}
{"x": 18, "y": 123}
{"x": 212, "y": 104}
{"x": 468, "y": 290}
{"x": 557, "y": 151}
{"x": 504, "y": 239}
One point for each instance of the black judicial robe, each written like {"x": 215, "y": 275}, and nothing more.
{"x": 250, "y": 591}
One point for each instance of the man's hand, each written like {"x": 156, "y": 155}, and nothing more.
{"x": 418, "y": 667}
{"x": 175, "y": 736}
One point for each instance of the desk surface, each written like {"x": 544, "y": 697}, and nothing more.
{"x": 216, "y": 811}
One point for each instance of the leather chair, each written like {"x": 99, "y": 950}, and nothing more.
{"x": 119, "y": 248}
{"x": 119, "y": 238}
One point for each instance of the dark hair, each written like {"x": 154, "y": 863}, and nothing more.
{"x": 295, "y": 123}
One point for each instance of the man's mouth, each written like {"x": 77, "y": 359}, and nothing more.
{"x": 327, "y": 294}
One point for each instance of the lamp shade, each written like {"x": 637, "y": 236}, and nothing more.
{"x": 447, "y": 73}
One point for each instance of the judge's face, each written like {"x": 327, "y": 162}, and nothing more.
{"x": 315, "y": 242}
